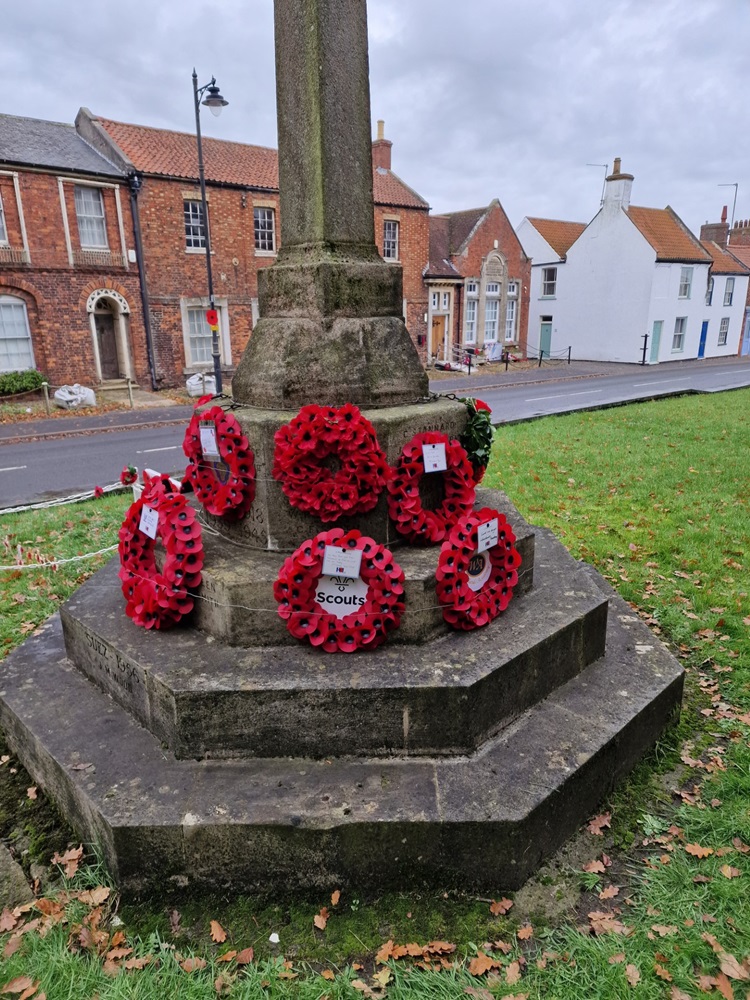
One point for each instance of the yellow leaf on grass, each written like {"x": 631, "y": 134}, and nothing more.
{"x": 383, "y": 977}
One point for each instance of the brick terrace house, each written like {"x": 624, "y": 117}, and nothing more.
{"x": 737, "y": 243}
{"x": 478, "y": 281}
{"x": 70, "y": 298}
{"x": 243, "y": 215}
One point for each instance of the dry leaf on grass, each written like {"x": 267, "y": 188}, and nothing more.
{"x": 245, "y": 957}
{"x": 328, "y": 974}
{"x": 95, "y": 897}
{"x": 724, "y": 986}
{"x": 383, "y": 977}
{"x": 598, "y": 824}
{"x": 729, "y": 872}
{"x": 664, "y": 930}
{"x": 321, "y": 919}
{"x": 335, "y": 897}
{"x": 482, "y": 964}
{"x": 17, "y": 985}
{"x": 731, "y": 967}
{"x": 193, "y": 964}
{"x": 218, "y": 934}
{"x": 226, "y": 957}
{"x": 513, "y": 973}
{"x": 610, "y": 892}
{"x": 499, "y": 907}
{"x": 31, "y": 792}
{"x": 526, "y": 932}
{"x": 616, "y": 959}
{"x": 632, "y": 975}
{"x": 69, "y": 860}
{"x": 678, "y": 994}
{"x": 480, "y": 993}
{"x": 662, "y": 973}
{"x": 697, "y": 851}
{"x": 358, "y": 984}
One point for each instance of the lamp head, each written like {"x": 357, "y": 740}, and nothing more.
{"x": 214, "y": 101}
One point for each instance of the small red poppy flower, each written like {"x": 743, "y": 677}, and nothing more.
{"x": 98, "y": 492}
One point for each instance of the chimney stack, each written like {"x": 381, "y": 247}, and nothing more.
{"x": 381, "y": 149}
{"x": 718, "y": 232}
{"x": 617, "y": 188}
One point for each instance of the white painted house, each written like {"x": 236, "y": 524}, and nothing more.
{"x": 632, "y": 278}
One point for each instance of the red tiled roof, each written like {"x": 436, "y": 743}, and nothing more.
{"x": 174, "y": 154}
{"x": 668, "y": 235}
{"x": 723, "y": 262}
{"x": 741, "y": 253}
{"x": 560, "y": 235}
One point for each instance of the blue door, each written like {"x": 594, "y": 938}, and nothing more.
{"x": 704, "y": 334}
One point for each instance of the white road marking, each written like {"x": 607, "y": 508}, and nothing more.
{"x": 562, "y": 395}
{"x": 150, "y": 451}
{"x": 14, "y": 468}
{"x": 662, "y": 381}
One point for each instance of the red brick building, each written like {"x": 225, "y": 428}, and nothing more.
{"x": 245, "y": 230}
{"x": 478, "y": 285}
{"x": 70, "y": 297}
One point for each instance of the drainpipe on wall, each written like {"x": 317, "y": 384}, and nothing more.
{"x": 135, "y": 181}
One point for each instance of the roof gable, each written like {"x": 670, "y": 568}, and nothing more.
{"x": 56, "y": 145}
{"x": 668, "y": 235}
{"x": 559, "y": 234}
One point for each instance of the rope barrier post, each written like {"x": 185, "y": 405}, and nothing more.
{"x": 130, "y": 394}
{"x": 541, "y": 356}
{"x": 45, "y": 391}
{"x": 569, "y": 353}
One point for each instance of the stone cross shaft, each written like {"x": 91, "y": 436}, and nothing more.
{"x": 331, "y": 329}
{"x": 325, "y": 152}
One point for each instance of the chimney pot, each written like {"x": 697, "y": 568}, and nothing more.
{"x": 724, "y": 214}
{"x": 616, "y": 168}
{"x": 381, "y": 129}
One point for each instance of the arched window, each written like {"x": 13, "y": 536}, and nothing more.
{"x": 16, "y": 352}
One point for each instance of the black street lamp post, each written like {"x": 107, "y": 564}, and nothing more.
{"x": 215, "y": 102}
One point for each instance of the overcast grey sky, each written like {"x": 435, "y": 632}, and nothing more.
{"x": 481, "y": 98}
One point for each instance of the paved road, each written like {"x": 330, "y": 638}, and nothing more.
{"x": 523, "y": 402}
{"x": 37, "y": 469}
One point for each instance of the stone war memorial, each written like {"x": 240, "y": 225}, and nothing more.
{"x": 339, "y": 660}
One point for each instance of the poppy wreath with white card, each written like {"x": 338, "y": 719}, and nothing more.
{"x": 221, "y": 464}
{"x": 157, "y": 598}
{"x": 317, "y": 437}
{"x": 474, "y": 586}
{"x": 419, "y": 525}
{"x": 316, "y": 607}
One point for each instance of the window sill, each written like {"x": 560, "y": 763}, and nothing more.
{"x": 547, "y": 298}
{"x": 198, "y": 250}
{"x": 266, "y": 253}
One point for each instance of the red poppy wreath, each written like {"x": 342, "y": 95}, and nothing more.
{"x": 418, "y": 525}
{"x": 474, "y": 587}
{"x": 224, "y": 482}
{"x": 343, "y": 435}
{"x": 305, "y": 595}
{"x": 154, "y": 598}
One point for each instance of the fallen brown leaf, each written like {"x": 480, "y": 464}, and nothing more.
{"x": 632, "y": 975}
{"x": 499, "y": 907}
{"x": 245, "y": 957}
{"x": 226, "y": 957}
{"x": 328, "y": 974}
{"x": 480, "y": 993}
{"x": 321, "y": 919}
{"x": 724, "y": 986}
{"x": 95, "y": 897}
{"x": 697, "y": 851}
{"x": 69, "y": 860}
{"x": 595, "y": 867}
{"x": 218, "y": 934}
{"x": 662, "y": 973}
{"x": 383, "y": 977}
{"x": 609, "y": 893}
{"x": 31, "y": 792}
{"x": 482, "y": 964}
{"x": 616, "y": 959}
{"x": 729, "y": 872}
{"x": 17, "y": 985}
{"x": 513, "y": 973}
{"x": 598, "y": 824}
{"x": 731, "y": 967}
{"x": 526, "y": 932}
{"x": 678, "y": 994}
{"x": 335, "y": 897}
{"x": 193, "y": 964}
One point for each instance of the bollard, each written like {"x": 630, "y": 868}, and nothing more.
{"x": 45, "y": 390}
{"x": 130, "y": 394}
{"x": 569, "y": 352}
{"x": 541, "y": 356}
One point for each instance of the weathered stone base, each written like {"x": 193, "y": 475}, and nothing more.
{"x": 273, "y": 524}
{"x": 483, "y": 820}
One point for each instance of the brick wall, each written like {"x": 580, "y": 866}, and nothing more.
{"x": 55, "y": 293}
{"x": 414, "y": 252}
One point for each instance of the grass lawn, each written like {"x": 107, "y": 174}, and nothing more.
{"x": 656, "y": 495}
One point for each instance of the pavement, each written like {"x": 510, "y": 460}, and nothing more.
{"x": 154, "y": 410}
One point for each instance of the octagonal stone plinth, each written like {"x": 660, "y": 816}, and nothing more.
{"x": 203, "y": 698}
{"x": 272, "y": 524}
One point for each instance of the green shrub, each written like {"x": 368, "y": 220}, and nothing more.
{"x": 13, "y": 382}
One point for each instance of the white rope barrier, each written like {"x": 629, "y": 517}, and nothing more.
{"x": 61, "y": 501}
{"x": 55, "y": 563}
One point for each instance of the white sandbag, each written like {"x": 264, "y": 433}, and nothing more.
{"x": 201, "y": 385}
{"x": 72, "y": 397}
